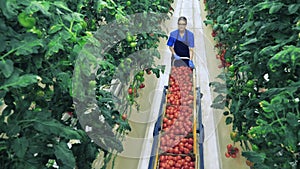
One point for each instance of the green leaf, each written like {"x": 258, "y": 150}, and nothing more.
{"x": 62, "y": 5}
{"x": 254, "y": 40}
{"x": 275, "y": 8}
{"x": 64, "y": 156}
{"x": 292, "y": 119}
{"x": 269, "y": 50}
{"x": 219, "y": 98}
{"x": 77, "y": 27}
{"x": 293, "y": 8}
{"x": 219, "y": 19}
{"x": 228, "y": 120}
{"x": 17, "y": 81}
{"x": 54, "y": 46}
{"x": 218, "y": 105}
{"x": 246, "y": 26}
{"x": 225, "y": 27}
{"x": 52, "y": 126}
{"x": 254, "y": 156}
{"x": 208, "y": 22}
{"x": 55, "y": 28}
{"x": 65, "y": 80}
{"x": 3, "y": 27}
{"x": 290, "y": 141}
{"x": 20, "y": 146}
{"x": 42, "y": 6}
{"x": 28, "y": 45}
{"x": 156, "y": 72}
{"x": 262, "y": 6}
{"x": 7, "y": 67}
{"x": 266, "y": 106}
{"x": 9, "y": 8}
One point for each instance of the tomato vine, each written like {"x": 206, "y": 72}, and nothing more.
{"x": 261, "y": 89}
{"x": 41, "y": 41}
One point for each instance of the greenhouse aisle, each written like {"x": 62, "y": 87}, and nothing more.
{"x": 191, "y": 10}
{"x": 138, "y": 144}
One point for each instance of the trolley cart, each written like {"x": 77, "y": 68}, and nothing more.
{"x": 197, "y": 128}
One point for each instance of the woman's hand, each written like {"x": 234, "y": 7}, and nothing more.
{"x": 191, "y": 64}
{"x": 176, "y": 57}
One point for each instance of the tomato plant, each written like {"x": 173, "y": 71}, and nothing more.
{"x": 42, "y": 41}
{"x": 261, "y": 89}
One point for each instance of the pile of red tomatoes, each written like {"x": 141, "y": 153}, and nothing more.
{"x": 177, "y": 139}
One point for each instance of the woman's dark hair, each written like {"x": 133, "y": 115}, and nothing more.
{"x": 182, "y": 18}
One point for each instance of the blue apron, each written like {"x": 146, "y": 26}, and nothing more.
{"x": 182, "y": 50}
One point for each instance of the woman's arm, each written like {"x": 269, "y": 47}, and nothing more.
{"x": 191, "y": 53}
{"x": 172, "y": 49}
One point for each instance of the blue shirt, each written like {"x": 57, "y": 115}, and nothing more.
{"x": 187, "y": 35}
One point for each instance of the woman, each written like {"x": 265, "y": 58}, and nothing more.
{"x": 181, "y": 44}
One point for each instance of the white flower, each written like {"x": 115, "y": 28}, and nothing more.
{"x": 88, "y": 128}
{"x": 73, "y": 141}
{"x": 266, "y": 77}
{"x": 102, "y": 118}
{"x": 296, "y": 100}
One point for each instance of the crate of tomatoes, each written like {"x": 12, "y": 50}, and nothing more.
{"x": 176, "y": 161}
{"x": 177, "y": 141}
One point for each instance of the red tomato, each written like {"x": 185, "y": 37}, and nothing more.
{"x": 165, "y": 120}
{"x": 188, "y": 158}
{"x": 190, "y": 147}
{"x": 236, "y": 150}
{"x": 124, "y": 116}
{"x": 233, "y": 155}
{"x": 227, "y": 154}
{"x": 229, "y": 146}
{"x": 191, "y": 141}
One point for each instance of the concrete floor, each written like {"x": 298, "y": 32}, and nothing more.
{"x": 138, "y": 144}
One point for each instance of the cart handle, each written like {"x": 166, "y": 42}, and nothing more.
{"x": 180, "y": 58}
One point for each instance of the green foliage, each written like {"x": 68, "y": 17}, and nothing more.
{"x": 263, "y": 83}
{"x": 40, "y": 43}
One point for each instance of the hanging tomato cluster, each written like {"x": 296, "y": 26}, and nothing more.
{"x": 231, "y": 151}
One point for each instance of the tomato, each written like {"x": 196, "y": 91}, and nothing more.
{"x": 169, "y": 122}
{"x": 128, "y": 3}
{"x": 162, "y": 158}
{"x": 129, "y": 38}
{"x": 233, "y": 155}
{"x": 231, "y": 68}
{"x": 165, "y": 120}
{"x": 255, "y": 147}
{"x": 229, "y": 147}
{"x": 138, "y": 77}
{"x": 133, "y": 44}
{"x": 250, "y": 83}
{"x": 130, "y": 91}
{"x": 188, "y": 158}
{"x": 227, "y": 154}
{"x": 124, "y": 116}
{"x": 141, "y": 73}
{"x": 249, "y": 163}
{"x": 148, "y": 71}
{"x": 26, "y": 20}
{"x": 142, "y": 85}
{"x": 236, "y": 150}
{"x": 190, "y": 147}
{"x": 233, "y": 136}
